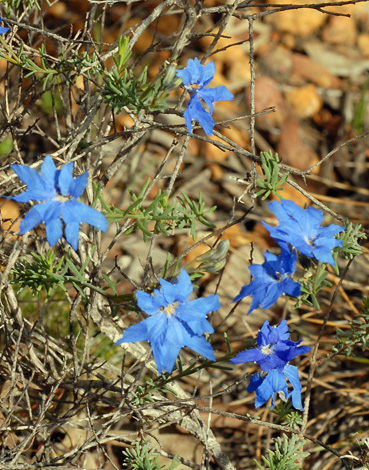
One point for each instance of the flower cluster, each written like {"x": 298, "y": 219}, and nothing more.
{"x": 301, "y": 229}
{"x": 275, "y": 351}
{"x": 174, "y": 322}
{"x": 59, "y": 191}
{"x": 195, "y": 77}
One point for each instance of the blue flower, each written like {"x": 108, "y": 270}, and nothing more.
{"x": 200, "y": 76}
{"x": 60, "y": 191}
{"x": 271, "y": 279}
{"x": 267, "y": 385}
{"x": 301, "y": 229}
{"x": 2, "y": 29}
{"x": 173, "y": 322}
{"x": 275, "y": 349}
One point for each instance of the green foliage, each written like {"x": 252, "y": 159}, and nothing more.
{"x": 122, "y": 89}
{"x": 351, "y": 237}
{"x": 314, "y": 281}
{"x": 141, "y": 457}
{"x": 285, "y": 456}
{"x": 144, "y": 393}
{"x": 270, "y": 184}
{"x": 358, "y": 335}
{"x": 182, "y": 213}
{"x": 48, "y": 273}
{"x": 45, "y": 272}
{"x": 52, "y": 71}
{"x": 286, "y": 414}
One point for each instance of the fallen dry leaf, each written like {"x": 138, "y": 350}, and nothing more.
{"x": 309, "y": 69}
{"x": 268, "y": 94}
{"x": 336, "y": 62}
{"x": 340, "y": 30}
{"x": 363, "y": 44}
{"x": 303, "y": 22}
{"x": 305, "y": 101}
{"x": 293, "y": 149}
{"x": 9, "y": 212}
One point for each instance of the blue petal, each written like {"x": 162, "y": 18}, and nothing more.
{"x": 165, "y": 353}
{"x": 196, "y": 111}
{"x": 165, "y": 356}
{"x": 72, "y": 234}
{"x": 77, "y": 186}
{"x": 178, "y": 290}
{"x": 168, "y": 291}
{"x": 34, "y": 216}
{"x": 201, "y": 346}
{"x": 148, "y": 303}
{"x": 292, "y": 374}
{"x": 273, "y": 292}
{"x": 329, "y": 231}
{"x": 158, "y": 327}
{"x": 185, "y": 75}
{"x": 65, "y": 179}
{"x": 191, "y": 73}
{"x": 134, "y": 333}
{"x": 211, "y": 95}
{"x": 74, "y": 211}
{"x": 188, "y": 119}
{"x": 53, "y": 230}
{"x": 291, "y": 287}
{"x": 274, "y": 382}
{"x": 3, "y": 30}
{"x": 251, "y": 355}
{"x": 194, "y": 313}
{"x": 255, "y": 381}
{"x": 208, "y": 73}
{"x": 49, "y": 171}
{"x": 196, "y": 73}
{"x": 38, "y": 188}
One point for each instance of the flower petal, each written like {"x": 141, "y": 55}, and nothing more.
{"x": 292, "y": 374}
{"x": 78, "y": 185}
{"x": 74, "y": 211}
{"x": 196, "y": 111}
{"x": 34, "y": 216}
{"x": 72, "y": 234}
{"x": 65, "y": 179}
{"x": 53, "y": 230}
{"x": 201, "y": 346}
{"x": 134, "y": 333}
{"x": 37, "y": 188}
{"x": 49, "y": 171}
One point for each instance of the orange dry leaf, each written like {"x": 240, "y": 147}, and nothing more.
{"x": 268, "y": 94}
{"x": 292, "y": 147}
{"x": 301, "y": 22}
{"x": 307, "y": 68}
{"x": 9, "y": 212}
{"x": 340, "y": 30}
{"x": 305, "y": 101}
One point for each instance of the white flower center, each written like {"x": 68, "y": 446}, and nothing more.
{"x": 62, "y": 198}
{"x": 267, "y": 350}
{"x": 170, "y": 309}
